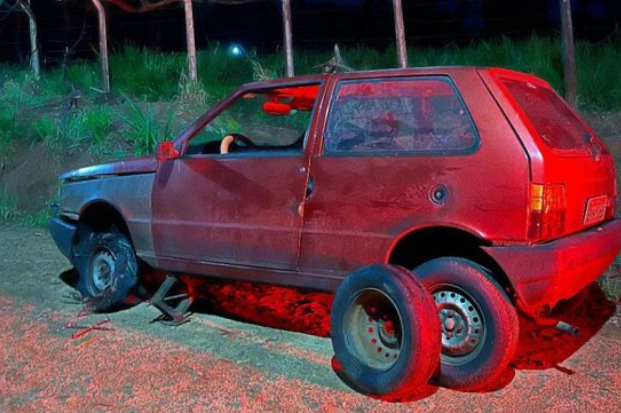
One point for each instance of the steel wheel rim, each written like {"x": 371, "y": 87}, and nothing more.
{"x": 463, "y": 325}
{"x": 374, "y": 330}
{"x": 103, "y": 265}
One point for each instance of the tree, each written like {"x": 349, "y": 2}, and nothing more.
{"x": 146, "y": 6}
{"x": 103, "y": 46}
{"x": 143, "y": 6}
{"x": 402, "y": 51}
{"x": 286, "y": 17}
{"x": 190, "y": 39}
{"x": 569, "y": 54}
{"x": 24, "y": 5}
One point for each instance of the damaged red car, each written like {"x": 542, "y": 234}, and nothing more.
{"x": 438, "y": 203}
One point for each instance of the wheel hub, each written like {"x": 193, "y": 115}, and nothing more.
{"x": 375, "y": 330}
{"x": 104, "y": 265}
{"x": 463, "y": 329}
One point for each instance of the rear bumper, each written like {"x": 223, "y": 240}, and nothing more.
{"x": 63, "y": 233}
{"x": 544, "y": 274}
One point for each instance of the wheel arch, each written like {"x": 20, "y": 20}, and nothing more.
{"x": 433, "y": 242}
{"x": 101, "y": 215}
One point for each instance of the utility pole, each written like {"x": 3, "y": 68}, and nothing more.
{"x": 402, "y": 51}
{"x": 569, "y": 54}
{"x": 189, "y": 32}
{"x": 286, "y": 16}
{"x": 103, "y": 46}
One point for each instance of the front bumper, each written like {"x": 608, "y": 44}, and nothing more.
{"x": 542, "y": 275}
{"x": 63, "y": 233}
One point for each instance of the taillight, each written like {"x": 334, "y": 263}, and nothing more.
{"x": 547, "y": 211}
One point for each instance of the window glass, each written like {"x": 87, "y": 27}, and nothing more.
{"x": 275, "y": 119}
{"x": 409, "y": 115}
{"x": 557, "y": 125}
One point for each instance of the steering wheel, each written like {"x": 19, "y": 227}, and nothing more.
{"x": 228, "y": 140}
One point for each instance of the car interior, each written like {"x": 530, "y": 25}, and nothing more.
{"x": 274, "y": 120}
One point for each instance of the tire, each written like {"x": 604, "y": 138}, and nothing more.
{"x": 479, "y": 323}
{"x": 108, "y": 269}
{"x": 385, "y": 332}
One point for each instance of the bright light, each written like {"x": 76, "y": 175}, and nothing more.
{"x": 236, "y": 50}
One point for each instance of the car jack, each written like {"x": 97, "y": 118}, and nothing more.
{"x": 172, "y": 316}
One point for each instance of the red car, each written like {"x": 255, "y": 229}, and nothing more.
{"x": 483, "y": 184}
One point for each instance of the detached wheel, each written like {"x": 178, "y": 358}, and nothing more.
{"x": 479, "y": 323}
{"x": 385, "y": 331}
{"x": 107, "y": 267}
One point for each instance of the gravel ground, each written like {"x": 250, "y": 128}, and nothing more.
{"x": 217, "y": 364}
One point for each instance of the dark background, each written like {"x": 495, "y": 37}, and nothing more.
{"x": 316, "y": 24}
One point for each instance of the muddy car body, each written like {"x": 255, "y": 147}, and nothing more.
{"x": 450, "y": 170}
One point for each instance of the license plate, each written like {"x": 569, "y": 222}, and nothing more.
{"x": 596, "y": 210}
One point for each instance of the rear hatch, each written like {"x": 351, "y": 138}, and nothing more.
{"x": 573, "y": 174}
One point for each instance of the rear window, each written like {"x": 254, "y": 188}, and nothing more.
{"x": 398, "y": 115}
{"x": 559, "y": 127}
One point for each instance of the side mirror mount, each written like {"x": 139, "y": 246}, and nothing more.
{"x": 166, "y": 151}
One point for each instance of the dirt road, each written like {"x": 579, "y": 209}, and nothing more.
{"x": 215, "y": 364}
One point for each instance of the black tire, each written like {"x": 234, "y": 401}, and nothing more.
{"x": 479, "y": 323}
{"x": 406, "y": 332}
{"x": 105, "y": 290}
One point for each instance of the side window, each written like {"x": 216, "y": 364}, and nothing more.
{"x": 266, "y": 120}
{"x": 398, "y": 115}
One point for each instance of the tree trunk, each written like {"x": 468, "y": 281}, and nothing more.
{"x": 189, "y": 31}
{"x": 103, "y": 46}
{"x": 402, "y": 52}
{"x": 569, "y": 56}
{"x": 286, "y": 16}
{"x": 34, "y": 47}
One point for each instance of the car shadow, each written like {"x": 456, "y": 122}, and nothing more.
{"x": 308, "y": 312}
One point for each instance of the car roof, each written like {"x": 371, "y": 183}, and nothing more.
{"x": 301, "y": 80}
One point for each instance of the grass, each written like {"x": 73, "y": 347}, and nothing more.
{"x": 39, "y": 219}
{"x": 98, "y": 126}
{"x": 36, "y": 110}
{"x": 611, "y": 282}
{"x": 8, "y": 205}
{"x": 66, "y": 131}
{"x": 144, "y": 130}
{"x": 9, "y": 211}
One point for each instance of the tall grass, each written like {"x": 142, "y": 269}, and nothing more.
{"x": 144, "y": 126}
{"x": 65, "y": 131}
{"x": 36, "y": 110}
{"x": 154, "y": 76}
{"x": 98, "y": 126}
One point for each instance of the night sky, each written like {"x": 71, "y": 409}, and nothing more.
{"x": 316, "y": 24}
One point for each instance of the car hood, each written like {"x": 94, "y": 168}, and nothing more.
{"x": 126, "y": 167}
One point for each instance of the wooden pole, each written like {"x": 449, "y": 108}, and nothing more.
{"x": 402, "y": 51}
{"x": 191, "y": 40}
{"x": 286, "y": 16}
{"x": 103, "y": 46}
{"x": 34, "y": 47}
{"x": 569, "y": 54}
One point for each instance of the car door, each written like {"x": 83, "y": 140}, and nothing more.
{"x": 244, "y": 207}
{"x": 394, "y": 153}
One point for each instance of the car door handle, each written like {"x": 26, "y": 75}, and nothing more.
{"x": 310, "y": 187}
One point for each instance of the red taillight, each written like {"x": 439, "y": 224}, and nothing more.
{"x": 547, "y": 211}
